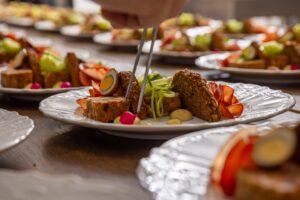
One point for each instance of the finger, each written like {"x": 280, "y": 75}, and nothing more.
{"x": 121, "y": 20}
{"x": 117, "y": 20}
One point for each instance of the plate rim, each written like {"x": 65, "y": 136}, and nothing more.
{"x": 31, "y": 126}
{"x": 133, "y": 44}
{"x": 133, "y": 129}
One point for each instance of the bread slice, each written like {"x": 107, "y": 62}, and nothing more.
{"x": 12, "y": 78}
{"x": 73, "y": 66}
{"x": 196, "y": 95}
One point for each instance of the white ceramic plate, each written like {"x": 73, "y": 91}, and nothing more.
{"x": 46, "y": 26}
{"x": 106, "y": 39}
{"x": 37, "y": 95}
{"x": 14, "y": 128}
{"x": 74, "y": 31}
{"x": 249, "y": 75}
{"x": 181, "y": 57}
{"x": 180, "y": 168}
{"x": 18, "y": 21}
{"x": 34, "y": 185}
{"x": 260, "y": 103}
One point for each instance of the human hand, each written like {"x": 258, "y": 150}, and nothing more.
{"x": 139, "y": 13}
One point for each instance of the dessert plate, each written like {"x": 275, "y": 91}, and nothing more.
{"x": 106, "y": 39}
{"x": 249, "y": 75}
{"x": 14, "y": 128}
{"x": 38, "y": 95}
{"x": 180, "y": 168}
{"x": 259, "y": 102}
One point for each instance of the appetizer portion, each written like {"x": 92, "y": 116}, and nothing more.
{"x": 180, "y": 41}
{"x": 185, "y": 20}
{"x": 180, "y": 97}
{"x": 130, "y": 35}
{"x": 260, "y": 165}
{"x": 10, "y": 46}
{"x": 247, "y": 26}
{"x": 31, "y": 67}
{"x": 269, "y": 55}
{"x": 95, "y": 23}
{"x": 292, "y": 34}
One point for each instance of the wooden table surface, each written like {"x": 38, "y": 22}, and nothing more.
{"x": 55, "y": 147}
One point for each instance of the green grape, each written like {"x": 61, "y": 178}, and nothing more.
{"x": 272, "y": 48}
{"x": 10, "y": 46}
{"x": 104, "y": 25}
{"x": 203, "y": 40}
{"x": 235, "y": 26}
{"x": 296, "y": 30}
{"x": 51, "y": 63}
{"x": 186, "y": 19}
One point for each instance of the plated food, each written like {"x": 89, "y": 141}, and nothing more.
{"x": 268, "y": 62}
{"x": 259, "y": 164}
{"x": 249, "y": 161}
{"x": 91, "y": 25}
{"x": 112, "y": 113}
{"x": 181, "y": 96}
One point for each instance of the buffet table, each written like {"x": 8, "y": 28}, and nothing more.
{"x": 57, "y": 148}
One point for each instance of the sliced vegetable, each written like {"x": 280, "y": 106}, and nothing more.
{"x": 236, "y": 109}
{"x": 249, "y": 53}
{"x": 127, "y": 118}
{"x": 275, "y": 148}
{"x": 109, "y": 83}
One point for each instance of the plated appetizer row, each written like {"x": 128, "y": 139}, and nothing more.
{"x": 260, "y": 164}
{"x": 180, "y": 97}
{"x": 270, "y": 55}
{"x": 37, "y": 67}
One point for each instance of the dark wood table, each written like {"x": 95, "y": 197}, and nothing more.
{"x": 55, "y": 147}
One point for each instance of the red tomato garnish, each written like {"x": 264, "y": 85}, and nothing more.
{"x": 236, "y": 109}
{"x": 224, "y": 111}
{"x": 227, "y": 94}
{"x": 240, "y": 157}
{"x": 228, "y": 103}
{"x": 234, "y": 100}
